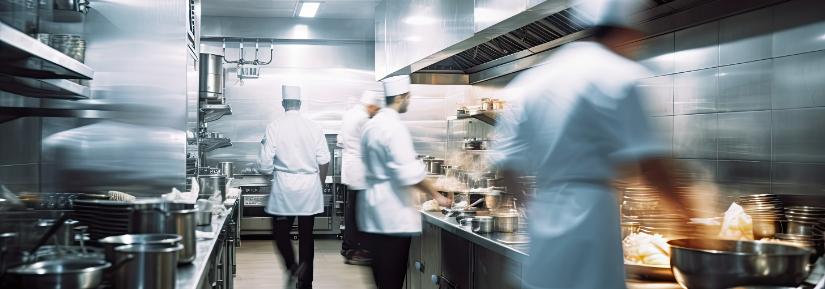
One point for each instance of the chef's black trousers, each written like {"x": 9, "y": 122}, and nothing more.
{"x": 353, "y": 239}
{"x": 390, "y": 254}
{"x": 281, "y": 227}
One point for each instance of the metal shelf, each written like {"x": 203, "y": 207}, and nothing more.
{"x": 44, "y": 88}
{"x": 11, "y": 113}
{"x": 211, "y": 144}
{"x": 488, "y": 117}
{"x": 22, "y": 55}
{"x": 213, "y": 112}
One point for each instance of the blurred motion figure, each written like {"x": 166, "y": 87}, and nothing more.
{"x": 573, "y": 121}
{"x": 352, "y": 172}
{"x": 294, "y": 150}
{"x": 386, "y": 209}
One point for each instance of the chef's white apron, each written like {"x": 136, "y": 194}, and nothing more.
{"x": 295, "y": 194}
{"x": 575, "y": 239}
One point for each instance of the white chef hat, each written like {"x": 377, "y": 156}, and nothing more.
{"x": 396, "y": 85}
{"x": 372, "y": 97}
{"x": 618, "y": 13}
{"x": 291, "y": 92}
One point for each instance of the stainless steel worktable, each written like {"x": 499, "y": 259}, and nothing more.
{"x": 517, "y": 251}
{"x": 191, "y": 275}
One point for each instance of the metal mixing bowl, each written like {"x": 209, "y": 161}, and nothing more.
{"x": 713, "y": 264}
{"x": 63, "y": 273}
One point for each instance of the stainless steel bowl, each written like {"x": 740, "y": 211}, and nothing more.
{"x": 713, "y": 264}
{"x": 63, "y": 273}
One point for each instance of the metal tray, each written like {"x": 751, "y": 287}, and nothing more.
{"x": 648, "y": 272}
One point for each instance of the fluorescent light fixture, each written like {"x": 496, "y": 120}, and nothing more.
{"x": 308, "y": 9}
{"x": 300, "y": 31}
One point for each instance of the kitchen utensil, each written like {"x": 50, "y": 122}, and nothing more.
{"x": 467, "y": 223}
{"x": 146, "y": 266}
{"x": 211, "y": 185}
{"x": 492, "y": 201}
{"x": 50, "y": 232}
{"x": 506, "y": 222}
{"x": 475, "y": 203}
{"x": 649, "y": 272}
{"x": 712, "y": 264}
{"x": 203, "y": 218}
{"x": 110, "y": 243}
{"x": 182, "y": 222}
{"x": 71, "y": 273}
{"x": 482, "y": 224}
{"x": 227, "y": 169}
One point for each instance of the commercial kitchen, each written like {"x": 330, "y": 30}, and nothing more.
{"x": 138, "y": 140}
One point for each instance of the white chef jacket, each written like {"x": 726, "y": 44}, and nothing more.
{"x": 387, "y": 205}
{"x": 292, "y": 150}
{"x": 352, "y": 167}
{"x": 570, "y": 121}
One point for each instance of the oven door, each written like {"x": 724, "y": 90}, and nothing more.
{"x": 256, "y": 221}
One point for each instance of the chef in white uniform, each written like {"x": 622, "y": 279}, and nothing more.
{"x": 294, "y": 151}
{"x": 572, "y": 122}
{"x": 353, "y": 172}
{"x": 387, "y": 208}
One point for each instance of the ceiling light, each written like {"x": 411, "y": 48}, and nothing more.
{"x": 309, "y": 9}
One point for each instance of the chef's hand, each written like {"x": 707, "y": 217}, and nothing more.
{"x": 427, "y": 187}
{"x": 442, "y": 200}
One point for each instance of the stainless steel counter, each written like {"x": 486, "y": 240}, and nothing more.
{"x": 191, "y": 275}
{"x": 517, "y": 251}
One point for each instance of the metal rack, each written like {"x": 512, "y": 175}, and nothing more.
{"x": 213, "y": 112}
{"x": 487, "y": 117}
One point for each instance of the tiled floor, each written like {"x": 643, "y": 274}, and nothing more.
{"x": 260, "y": 268}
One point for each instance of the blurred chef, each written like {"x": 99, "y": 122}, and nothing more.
{"x": 294, "y": 150}
{"x": 572, "y": 122}
{"x": 352, "y": 172}
{"x": 386, "y": 209}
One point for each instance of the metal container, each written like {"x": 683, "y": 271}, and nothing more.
{"x": 203, "y": 218}
{"x": 211, "y": 84}
{"x": 482, "y": 224}
{"x": 713, "y": 264}
{"x": 73, "y": 273}
{"x": 182, "y": 222}
{"x": 149, "y": 216}
{"x": 506, "y": 223}
{"x": 110, "y": 243}
{"x": 226, "y": 169}
{"x": 147, "y": 266}
{"x": 211, "y": 185}
{"x": 434, "y": 166}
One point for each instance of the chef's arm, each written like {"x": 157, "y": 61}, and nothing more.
{"x": 322, "y": 172}
{"x": 427, "y": 187}
{"x": 660, "y": 173}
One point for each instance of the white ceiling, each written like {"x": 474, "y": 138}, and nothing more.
{"x": 339, "y": 9}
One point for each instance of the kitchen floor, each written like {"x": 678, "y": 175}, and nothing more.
{"x": 260, "y": 268}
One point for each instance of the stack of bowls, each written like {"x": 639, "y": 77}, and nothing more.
{"x": 70, "y": 44}
{"x": 814, "y": 243}
{"x": 767, "y": 212}
{"x": 803, "y": 219}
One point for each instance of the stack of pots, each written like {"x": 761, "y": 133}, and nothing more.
{"x": 169, "y": 218}
{"x": 143, "y": 261}
{"x": 805, "y": 227}
{"x": 767, "y": 212}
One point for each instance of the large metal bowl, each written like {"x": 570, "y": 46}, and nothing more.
{"x": 110, "y": 243}
{"x": 714, "y": 264}
{"x": 63, "y": 274}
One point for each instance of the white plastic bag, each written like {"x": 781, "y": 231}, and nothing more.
{"x": 736, "y": 225}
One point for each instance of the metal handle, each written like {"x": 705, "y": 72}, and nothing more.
{"x": 435, "y": 279}
{"x": 419, "y": 266}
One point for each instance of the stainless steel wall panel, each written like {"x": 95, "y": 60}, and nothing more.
{"x": 697, "y": 47}
{"x": 21, "y": 177}
{"x": 745, "y": 135}
{"x": 21, "y": 141}
{"x": 695, "y": 136}
{"x": 744, "y": 177}
{"x": 428, "y": 131}
{"x": 798, "y": 178}
{"x": 799, "y": 135}
{"x": 696, "y": 91}
{"x": 745, "y": 86}
{"x": 797, "y": 81}
{"x": 243, "y": 154}
{"x": 664, "y": 127}
{"x": 657, "y": 94}
{"x": 657, "y": 53}
{"x": 489, "y": 12}
{"x": 799, "y": 27}
{"x": 289, "y": 28}
{"x": 698, "y": 170}
{"x": 745, "y": 37}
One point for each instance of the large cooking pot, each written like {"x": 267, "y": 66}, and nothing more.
{"x": 110, "y": 243}
{"x": 713, "y": 264}
{"x": 211, "y": 185}
{"x": 227, "y": 169}
{"x": 506, "y": 222}
{"x": 73, "y": 273}
{"x": 182, "y": 222}
{"x": 147, "y": 266}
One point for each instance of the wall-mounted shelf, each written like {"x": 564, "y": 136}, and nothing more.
{"x": 22, "y": 55}
{"x": 11, "y": 113}
{"x": 488, "y": 117}
{"x": 213, "y": 112}
{"x": 44, "y": 88}
{"x": 211, "y": 144}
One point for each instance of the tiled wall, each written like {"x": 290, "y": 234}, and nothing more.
{"x": 744, "y": 97}
{"x": 20, "y": 147}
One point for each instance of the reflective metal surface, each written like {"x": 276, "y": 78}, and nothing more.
{"x": 797, "y": 81}
{"x": 288, "y": 28}
{"x": 147, "y": 266}
{"x": 745, "y": 135}
{"x": 695, "y": 136}
{"x": 798, "y": 27}
{"x": 66, "y": 273}
{"x": 797, "y": 135}
{"x": 744, "y": 177}
{"x": 697, "y": 47}
{"x": 745, "y": 86}
{"x": 696, "y": 91}
{"x": 713, "y": 264}
{"x": 745, "y": 37}
{"x": 657, "y": 93}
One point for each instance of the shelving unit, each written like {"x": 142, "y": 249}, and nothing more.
{"x": 24, "y": 56}
{"x": 213, "y": 112}
{"x": 488, "y": 117}
{"x": 210, "y": 144}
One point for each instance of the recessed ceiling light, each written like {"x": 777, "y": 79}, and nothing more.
{"x": 308, "y": 9}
